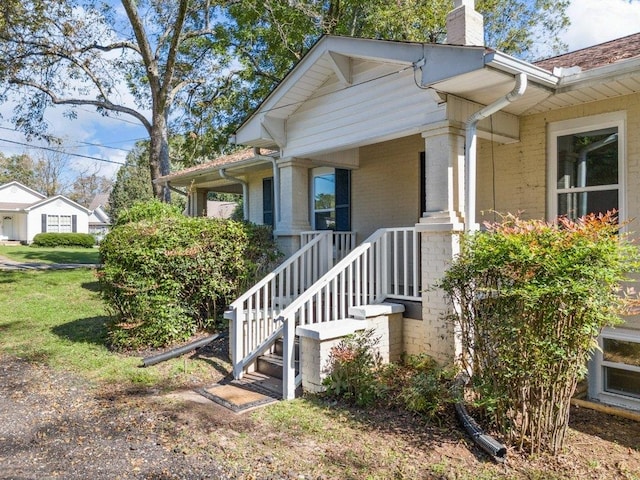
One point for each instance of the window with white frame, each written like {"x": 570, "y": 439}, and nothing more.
{"x": 586, "y": 175}
{"x": 586, "y": 165}
{"x": 59, "y": 223}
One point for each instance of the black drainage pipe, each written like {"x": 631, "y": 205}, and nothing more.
{"x": 495, "y": 449}
{"x": 176, "y": 352}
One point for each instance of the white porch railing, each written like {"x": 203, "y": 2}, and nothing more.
{"x": 343, "y": 242}
{"x": 386, "y": 265}
{"x": 252, "y": 315}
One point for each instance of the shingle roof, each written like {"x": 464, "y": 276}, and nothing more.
{"x": 597, "y": 55}
{"x": 218, "y": 162}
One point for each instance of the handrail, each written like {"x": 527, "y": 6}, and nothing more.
{"x": 252, "y": 314}
{"x": 385, "y": 265}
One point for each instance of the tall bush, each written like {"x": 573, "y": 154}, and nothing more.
{"x": 168, "y": 277}
{"x": 532, "y": 297}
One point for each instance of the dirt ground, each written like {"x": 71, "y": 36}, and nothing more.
{"x": 53, "y": 425}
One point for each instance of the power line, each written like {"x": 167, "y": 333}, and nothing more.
{"x": 79, "y": 143}
{"x": 59, "y": 151}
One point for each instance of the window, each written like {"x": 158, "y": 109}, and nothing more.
{"x": 59, "y": 223}
{"x": 586, "y": 166}
{"x": 331, "y": 199}
{"x": 615, "y": 369}
{"x": 586, "y": 175}
{"x": 268, "y": 217}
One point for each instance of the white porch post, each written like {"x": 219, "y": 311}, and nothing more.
{"x": 294, "y": 203}
{"x": 440, "y": 227}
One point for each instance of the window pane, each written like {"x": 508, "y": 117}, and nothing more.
{"x": 588, "y": 159}
{"x": 620, "y": 351}
{"x": 53, "y": 224}
{"x": 65, "y": 223}
{"x": 578, "y": 204}
{"x": 325, "y": 221}
{"x": 324, "y": 191}
{"x": 622, "y": 382}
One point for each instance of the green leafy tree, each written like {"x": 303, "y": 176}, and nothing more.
{"x": 17, "y": 168}
{"x": 157, "y": 61}
{"x": 269, "y": 36}
{"x": 133, "y": 181}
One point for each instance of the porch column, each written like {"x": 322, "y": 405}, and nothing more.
{"x": 197, "y": 202}
{"x": 294, "y": 203}
{"x": 440, "y": 227}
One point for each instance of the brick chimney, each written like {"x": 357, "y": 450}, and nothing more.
{"x": 464, "y": 25}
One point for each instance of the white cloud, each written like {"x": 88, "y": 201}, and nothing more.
{"x": 598, "y": 21}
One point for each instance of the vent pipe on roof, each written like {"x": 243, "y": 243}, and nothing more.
{"x": 245, "y": 192}
{"x": 471, "y": 127}
{"x": 465, "y": 25}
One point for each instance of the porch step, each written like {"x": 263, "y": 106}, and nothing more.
{"x": 279, "y": 347}
{"x": 271, "y": 363}
{"x": 262, "y": 383}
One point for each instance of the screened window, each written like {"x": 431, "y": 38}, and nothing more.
{"x": 53, "y": 223}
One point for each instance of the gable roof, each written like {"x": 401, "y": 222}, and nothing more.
{"x": 597, "y": 55}
{"x": 57, "y": 197}
{"x": 15, "y": 183}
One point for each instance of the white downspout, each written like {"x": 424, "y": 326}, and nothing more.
{"x": 245, "y": 192}
{"x": 471, "y": 127}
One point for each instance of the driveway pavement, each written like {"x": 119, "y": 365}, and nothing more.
{"x": 8, "y": 264}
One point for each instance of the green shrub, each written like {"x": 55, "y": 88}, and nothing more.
{"x": 356, "y": 375}
{"x": 63, "y": 240}
{"x": 352, "y": 369}
{"x": 532, "y": 299}
{"x": 147, "y": 210}
{"x": 164, "y": 279}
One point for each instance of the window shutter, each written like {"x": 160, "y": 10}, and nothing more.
{"x": 74, "y": 223}
{"x": 343, "y": 200}
{"x": 43, "y": 228}
{"x": 268, "y": 217}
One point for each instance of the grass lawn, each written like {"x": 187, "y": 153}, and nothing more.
{"x": 57, "y": 319}
{"x": 51, "y": 255}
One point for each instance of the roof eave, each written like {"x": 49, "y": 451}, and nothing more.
{"x": 256, "y": 160}
{"x": 614, "y": 71}
{"x": 508, "y": 64}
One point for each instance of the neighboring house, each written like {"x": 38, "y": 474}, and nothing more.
{"x": 220, "y": 209}
{"x": 26, "y": 213}
{"x": 99, "y": 221}
{"x": 406, "y": 145}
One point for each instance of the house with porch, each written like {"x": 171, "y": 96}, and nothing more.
{"x": 25, "y": 213}
{"x": 371, "y": 157}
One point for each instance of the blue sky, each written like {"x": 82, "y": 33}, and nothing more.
{"x": 592, "y": 22}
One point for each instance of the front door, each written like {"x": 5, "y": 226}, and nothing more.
{"x": 7, "y": 228}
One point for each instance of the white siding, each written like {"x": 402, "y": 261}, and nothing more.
{"x": 55, "y": 207}
{"x": 18, "y": 194}
{"x": 387, "y": 105}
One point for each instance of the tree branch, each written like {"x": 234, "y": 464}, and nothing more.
{"x": 173, "y": 49}
{"x": 106, "y": 104}
{"x": 143, "y": 45}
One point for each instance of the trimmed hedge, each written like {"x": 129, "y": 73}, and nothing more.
{"x": 64, "y": 240}
{"x": 168, "y": 278}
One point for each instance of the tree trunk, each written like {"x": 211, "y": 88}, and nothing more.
{"x": 159, "y": 156}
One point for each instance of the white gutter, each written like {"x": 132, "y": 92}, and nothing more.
{"x": 471, "y": 128}
{"x": 245, "y": 192}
